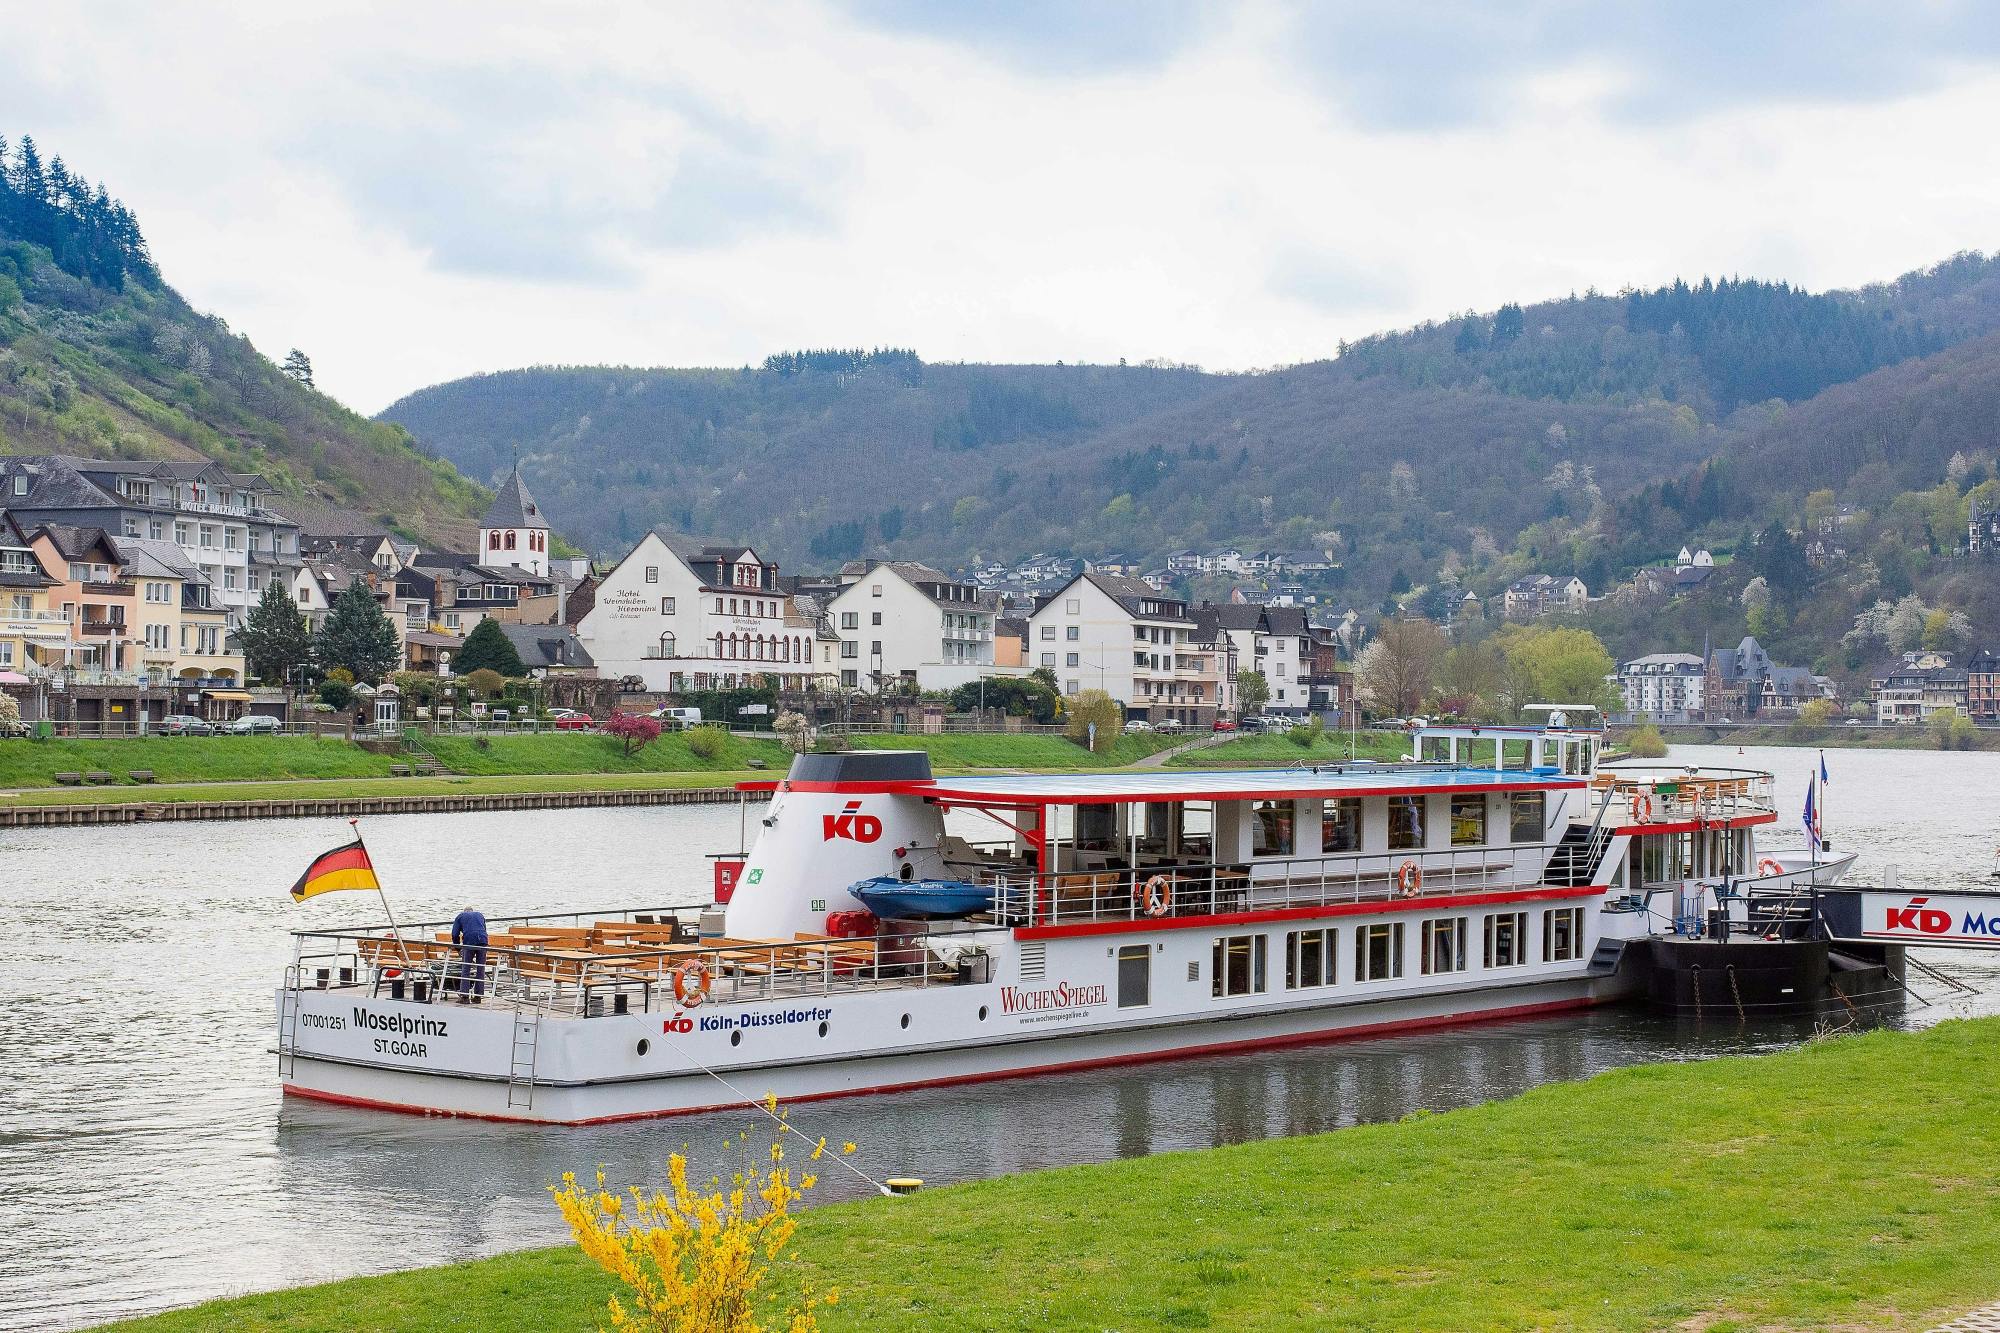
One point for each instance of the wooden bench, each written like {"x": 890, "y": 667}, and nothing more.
{"x": 68, "y": 779}
{"x": 97, "y": 777}
{"x": 399, "y": 770}
{"x": 140, "y": 774}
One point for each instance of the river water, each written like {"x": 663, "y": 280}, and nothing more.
{"x": 147, "y": 1160}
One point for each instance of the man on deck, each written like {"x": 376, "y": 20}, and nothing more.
{"x": 468, "y": 932}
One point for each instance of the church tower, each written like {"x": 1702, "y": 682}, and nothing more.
{"x": 513, "y": 531}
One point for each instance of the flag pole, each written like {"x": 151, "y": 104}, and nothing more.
{"x": 394, "y": 933}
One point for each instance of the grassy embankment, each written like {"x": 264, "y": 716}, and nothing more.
{"x": 1844, "y": 738}
{"x": 1844, "y": 1183}
{"x": 25, "y": 763}
{"x": 1279, "y": 750}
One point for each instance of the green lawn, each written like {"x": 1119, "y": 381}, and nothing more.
{"x": 439, "y": 786}
{"x": 1278, "y": 749}
{"x": 1034, "y": 750}
{"x": 586, "y": 752}
{"x": 1850, "y": 1182}
{"x": 26, "y": 763}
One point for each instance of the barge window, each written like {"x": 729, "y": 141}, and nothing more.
{"x": 1562, "y": 934}
{"x": 1529, "y": 816}
{"x": 1340, "y": 825}
{"x": 1272, "y": 828}
{"x": 1507, "y": 939}
{"x": 1517, "y": 755}
{"x": 1135, "y": 976}
{"x": 1406, "y": 823}
{"x": 1309, "y": 958}
{"x": 1237, "y": 965}
{"x": 1444, "y": 946}
{"x": 1378, "y": 951}
{"x": 1468, "y": 820}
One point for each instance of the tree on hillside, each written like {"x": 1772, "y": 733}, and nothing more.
{"x": 1557, "y": 666}
{"x": 298, "y": 366}
{"x": 488, "y": 647}
{"x": 358, "y": 636}
{"x": 1395, "y": 671}
{"x": 1094, "y": 708}
{"x": 276, "y": 638}
{"x": 1252, "y": 692}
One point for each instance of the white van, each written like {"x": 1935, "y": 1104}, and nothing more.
{"x": 678, "y": 719}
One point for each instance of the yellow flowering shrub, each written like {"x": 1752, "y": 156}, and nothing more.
{"x": 692, "y": 1260}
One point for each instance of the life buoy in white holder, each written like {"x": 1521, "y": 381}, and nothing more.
{"x": 1158, "y": 895}
{"x": 1642, "y": 808}
{"x": 691, "y": 983}
{"x": 1409, "y": 879}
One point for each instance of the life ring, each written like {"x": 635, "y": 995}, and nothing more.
{"x": 1159, "y": 895}
{"x": 1769, "y": 867}
{"x": 1642, "y": 808}
{"x": 1409, "y": 878}
{"x": 691, "y": 983}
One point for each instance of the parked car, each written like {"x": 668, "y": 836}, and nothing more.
{"x": 184, "y": 724}
{"x": 254, "y": 724}
{"x": 677, "y": 719}
{"x": 1250, "y": 724}
{"x": 568, "y": 719}
{"x": 1136, "y": 725}
{"x": 1169, "y": 726}
{"x": 1223, "y": 724}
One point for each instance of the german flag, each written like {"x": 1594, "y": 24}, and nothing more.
{"x": 342, "y": 868}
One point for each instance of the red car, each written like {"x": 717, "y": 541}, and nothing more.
{"x": 566, "y": 720}
{"x": 1224, "y": 724}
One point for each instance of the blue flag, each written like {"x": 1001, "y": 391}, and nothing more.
{"x": 1812, "y": 814}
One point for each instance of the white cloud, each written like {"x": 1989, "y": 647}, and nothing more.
{"x": 412, "y": 193}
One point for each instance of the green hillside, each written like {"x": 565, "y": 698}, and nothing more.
{"x": 99, "y": 357}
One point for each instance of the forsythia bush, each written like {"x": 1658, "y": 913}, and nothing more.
{"x": 692, "y": 1261}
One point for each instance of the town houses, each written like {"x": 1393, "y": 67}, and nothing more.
{"x": 906, "y": 622}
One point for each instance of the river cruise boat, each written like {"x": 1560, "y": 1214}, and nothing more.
{"x": 889, "y": 928}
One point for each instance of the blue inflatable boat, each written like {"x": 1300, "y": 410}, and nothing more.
{"x": 921, "y": 899}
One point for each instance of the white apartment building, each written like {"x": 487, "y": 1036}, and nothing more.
{"x": 1142, "y": 647}
{"x": 898, "y": 621}
{"x": 1275, "y": 641}
{"x": 684, "y": 613}
{"x": 1663, "y": 686}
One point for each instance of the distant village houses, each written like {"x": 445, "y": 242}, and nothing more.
{"x": 1544, "y": 594}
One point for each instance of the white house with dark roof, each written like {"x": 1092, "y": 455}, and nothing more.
{"x": 513, "y": 531}
{"x": 686, "y": 613}
{"x": 902, "y": 622}
{"x": 1137, "y": 644}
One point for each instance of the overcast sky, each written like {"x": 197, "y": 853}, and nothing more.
{"x": 412, "y": 192}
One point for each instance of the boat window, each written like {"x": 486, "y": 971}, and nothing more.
{"x": 1135, "y": 975}
{"x": 1197, "y": 830}
{"x": 1309, "y": 958}
{"x": 1477, "y": 752}
{"x": 1272, "y": 828}
{"x": 1378, "y": 951}
{"x": 1096, "y": 827}
{"x": 1572, "y": 757}
{"x": 1444, "y": 945}
{"x": 1528, "y": 816}
{"x": 1506, "y": 939}
{"x": 1340, "y": 825}
{"x": 1468, "y": 820}
{"x": 1236, "y": 965}
{"x": 1516, "y": 755}
{"x": 1562, "y": 934}
{"x": 1589, "y": 756}
{"x": 1549, "y": 750}
{"x": 1159, "y": 825}
{"x": 1435, "y": 750}
{"x": 1406, "y": 823}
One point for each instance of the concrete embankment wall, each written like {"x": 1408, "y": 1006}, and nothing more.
{"x": 27, "y": 816}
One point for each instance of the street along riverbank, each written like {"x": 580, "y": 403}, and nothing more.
{"x": 1845, "y": 1182}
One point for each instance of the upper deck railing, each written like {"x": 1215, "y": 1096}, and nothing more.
{"x": 1666, "y": 793}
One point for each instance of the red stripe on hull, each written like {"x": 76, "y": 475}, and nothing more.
{"x": 1424, "y": 904}
{"x": 1695, "y": 825}
{"x": 1323, "y": 1036}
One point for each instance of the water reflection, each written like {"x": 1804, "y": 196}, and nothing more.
{"x": 137, "y": 1093}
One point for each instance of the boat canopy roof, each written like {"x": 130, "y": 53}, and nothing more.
{"x": 1324, "y": 782}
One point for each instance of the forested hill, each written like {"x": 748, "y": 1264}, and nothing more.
{"x": 99, "y": 357}
{"x": 1481, "y": 442}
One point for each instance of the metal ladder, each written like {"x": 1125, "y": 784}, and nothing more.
{"x": 288, "y": 1023}
{"x": 521, "y": 1064}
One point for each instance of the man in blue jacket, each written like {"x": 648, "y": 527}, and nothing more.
{"x": 468, "y": 932}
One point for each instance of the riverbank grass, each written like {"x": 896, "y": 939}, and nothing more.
{"x": 31, "y": 763}
{"x": 1846, "y": 1183}
{"x": 1278, "y": 750}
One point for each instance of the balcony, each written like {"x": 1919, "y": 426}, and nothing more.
{"x": 113, "y": 588}
{"x": 31, "y": 617}
{"x": 102, "y": 628}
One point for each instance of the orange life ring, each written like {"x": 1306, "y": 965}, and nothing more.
{"x": 1409, "y": 878}
{"x": 1642, "y": 808}
{"x": 691, "y": 983}
{"x": 1769, "y": 867}
{"x": 1159, "y": 895}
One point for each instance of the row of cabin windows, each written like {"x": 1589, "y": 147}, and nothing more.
{"x": 1274, "y": 831}
{"x": 1237, "y": 963}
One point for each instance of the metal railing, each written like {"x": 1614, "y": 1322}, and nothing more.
{"x": 1639, "y": 794}
{"x": 1207, "y": 888}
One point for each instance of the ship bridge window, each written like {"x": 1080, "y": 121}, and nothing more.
{"x": 1135, "y": 976}
{"x": 1477, "y": 752}
{"x": 1528, "y": 816}
{"x": 1468, "y": 820}
{"x": 1517, "y": 756}
{"x": 1271, "y": 828}
{"x": 1444, "y": 946}
{"x": 1435, "y": 750}
{"x": 1340, "y": 825}
{"x": 1572, "y": 757}
{"x": 1378, "y": 951}
{"x": 1236, "y": 966}
{"x": 1506, "y": 939}
{"x": 1406, "y": 823}
{"x": 1562, "y": 934}
{"x": 1310, "y": 958}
